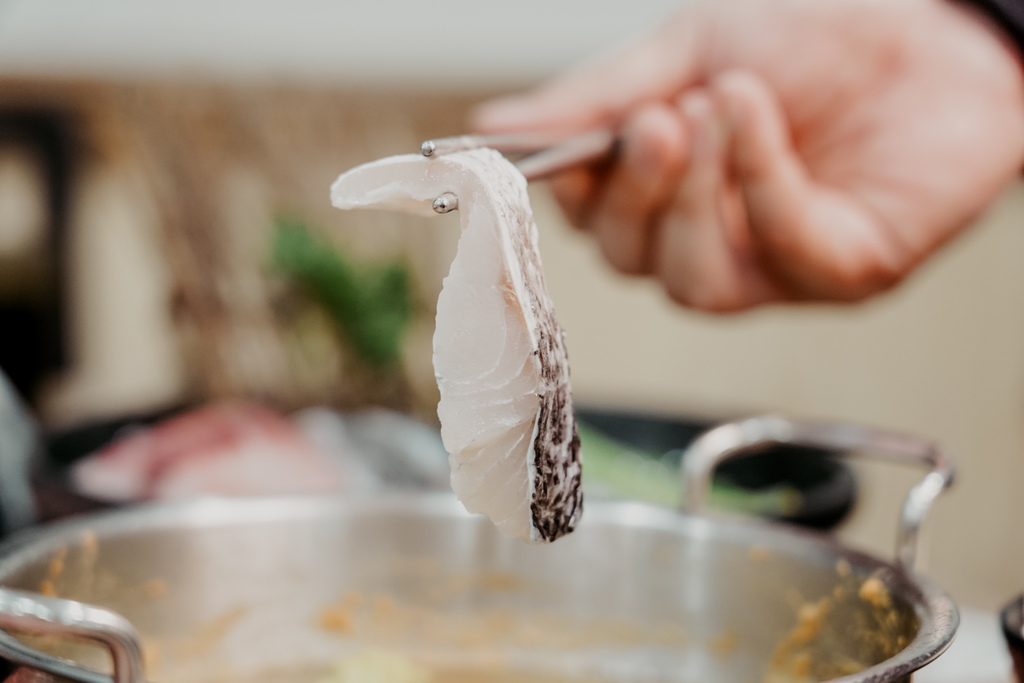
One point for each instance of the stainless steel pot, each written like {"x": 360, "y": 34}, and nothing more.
{"x": 230, "y": 588}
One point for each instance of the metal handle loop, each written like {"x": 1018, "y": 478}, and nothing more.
{"x": 736, "y": 438}
{"x": 34, "y": 613}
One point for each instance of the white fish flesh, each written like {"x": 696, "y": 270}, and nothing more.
{"x": 499, "y": 354}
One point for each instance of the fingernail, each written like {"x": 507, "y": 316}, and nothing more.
{"x": 732, "y": 110}
{"x": 699, "y": 113}
{"x": 634, "y": 157}
{"x": 639, "y": 157}
{"x": 733, "y": 113}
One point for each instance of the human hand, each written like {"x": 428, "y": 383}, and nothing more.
{"x": 787, "y": 150}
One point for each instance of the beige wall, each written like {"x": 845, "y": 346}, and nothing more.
{"x": 125, "y": 358}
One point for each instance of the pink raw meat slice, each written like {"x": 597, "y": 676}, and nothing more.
{"x": 226, "y": 449}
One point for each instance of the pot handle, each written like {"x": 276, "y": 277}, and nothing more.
{"x": 35, "y": 613}
{"x": 737, "y": 438}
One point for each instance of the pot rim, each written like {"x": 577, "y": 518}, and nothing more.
{"x": 934, "y": 607}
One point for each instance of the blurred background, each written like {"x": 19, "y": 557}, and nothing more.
{"x": 164, "y": 171}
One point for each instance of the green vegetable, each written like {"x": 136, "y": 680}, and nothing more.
{"x": 619, "y": 471}
{"x": 371, "y": 304}
{"x": 625, "y": 473}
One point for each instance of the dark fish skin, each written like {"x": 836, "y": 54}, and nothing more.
{"x": 558, "y": 494}
{"x": 557, "y": 503}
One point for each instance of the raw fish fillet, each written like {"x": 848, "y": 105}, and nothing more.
{"x": 499, "y": 354}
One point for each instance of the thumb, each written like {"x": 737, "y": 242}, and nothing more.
{"x": 598, "y": 93}
{"x": 818, "y": 242}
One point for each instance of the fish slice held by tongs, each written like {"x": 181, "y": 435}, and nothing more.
{"x": 542, "y": 154}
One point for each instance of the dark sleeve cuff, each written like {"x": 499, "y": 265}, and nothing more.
{"x": 1008, "y": 15}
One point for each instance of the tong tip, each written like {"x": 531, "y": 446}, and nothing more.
{"x": 446, "y": 203}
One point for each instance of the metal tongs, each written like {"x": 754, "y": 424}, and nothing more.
{"x": 542, "y": 154}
